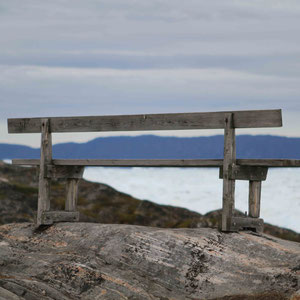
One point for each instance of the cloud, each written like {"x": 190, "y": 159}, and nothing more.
{"x": 82, "y": 90}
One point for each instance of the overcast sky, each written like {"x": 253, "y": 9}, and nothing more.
{"x": 65, "y": 58}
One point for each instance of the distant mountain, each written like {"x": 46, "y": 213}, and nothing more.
{"x": 156, "y": 147}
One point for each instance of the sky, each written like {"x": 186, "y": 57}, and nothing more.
{"x": 74, "y": 57}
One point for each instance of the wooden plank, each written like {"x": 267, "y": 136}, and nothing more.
{"x": 144, "y": 162}
{"x": 179, "y": 163}
{"x": 50, "y": 217}
{"x": 275, "y": 163}
{"x": 64, "y": 171}
{"x": 271, "y": 163}
{"x": 176, "y": 121}
{"x": 72, "y": 194}
{"x": 25, "y": 162}
{"x": 228, "y": 162}
{"x": 246, "y": 173}
{"x": 254, "y": 198}
{"x": 44, "y": 183}
{"x": 246, "y": 223}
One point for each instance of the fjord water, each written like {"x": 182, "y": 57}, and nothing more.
{"x": 200, "y": 189}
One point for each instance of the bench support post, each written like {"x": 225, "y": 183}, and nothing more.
{"x": 254, "y": 198}
{"x": 72, "y": 174}
{"x": 72, "y": 194}
{"x": 228, "y": 163}
{"x": 45, "y": 159}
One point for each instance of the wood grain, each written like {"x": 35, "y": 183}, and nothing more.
{"x": 72, "y": 194}
{"x": 275, "y": 163}
{"x": 254, "y": 198}
{"x": 179, "y": 163}
{"x": 57, "y": 172}
{"x": 242, "y": 223}
{"x": 271, "y": 163}
{"x": 246, "y": 173}
{"x": 228, "y": 162}
{"x": 50, "y": 217}
{"x": 44, "y": 183}
{"x": 176, "y": 121}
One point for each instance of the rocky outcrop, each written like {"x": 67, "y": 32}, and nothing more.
{"x": 98, "y": 261}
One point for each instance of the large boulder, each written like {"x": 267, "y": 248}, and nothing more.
{"x": 101, "y": 261}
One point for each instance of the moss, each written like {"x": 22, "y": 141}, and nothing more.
{"x": 98, "y": 206}
{"x": 28, "y": 190}
{"x": 185, "y": 224}
{"x": 59, "y": 202}
{"x": 89, "y": 213}
{"x": 126, "y": 218}
{"x": 290, "y": 236}
{"x": 214, "y": 221}
{"x": 82, "y": 201}
{"x": 282, "y": 233}
{"x": 132, "y": 207}
{"x": 56, "y": 186}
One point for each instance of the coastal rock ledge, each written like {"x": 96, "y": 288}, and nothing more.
{"x": 96, "y": 261}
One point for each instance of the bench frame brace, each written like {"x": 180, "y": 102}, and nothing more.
{"x": 231, "y": 172}
{"x": 47, "y": 171}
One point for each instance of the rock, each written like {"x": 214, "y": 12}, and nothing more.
{"x": 7, "y": 295}
{"x": 102, "y": 261}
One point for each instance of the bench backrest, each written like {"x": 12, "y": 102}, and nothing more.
{"x": 176, "y": 121}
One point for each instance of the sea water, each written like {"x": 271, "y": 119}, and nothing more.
{"x": 200, "y": 189}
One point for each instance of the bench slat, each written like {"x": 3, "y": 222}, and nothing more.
{"x": 246, "y": 173}
{"x": 180, "y": 121}
{"x": 126, "y": 162}
{"x": 50, "y": 217}
{"x": 276, "y": 163}
{"x": 162, "y": 162}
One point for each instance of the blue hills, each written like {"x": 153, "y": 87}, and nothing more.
{"x": 157, "y": 147}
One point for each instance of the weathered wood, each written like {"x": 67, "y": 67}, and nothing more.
{"x": 57, "y": 172}
{"x": 180, "y": 163}
{"x": 228, "y": 162}
{"x": 44, "y": 183}
{"x": 72, "y": 194}
{"x": 271, "y": 163}
{"x": 50, "y": 217}
{"x": 176, "y": 121}
{"x": 25, "y": 162}
{"x": 246, "y": 173}
{"x": 254, "y": 198}
{"x": 246, "y": 223}
{"x": 275, "y": 163}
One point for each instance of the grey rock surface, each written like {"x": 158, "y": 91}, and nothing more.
{"x": 101, "y": 261}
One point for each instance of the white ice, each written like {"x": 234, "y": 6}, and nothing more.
{"x": 201, "y": 190}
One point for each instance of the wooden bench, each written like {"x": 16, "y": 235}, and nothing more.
{"x": 231, "y": 169}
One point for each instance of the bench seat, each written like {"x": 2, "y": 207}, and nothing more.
{"x": 180, "y": 163}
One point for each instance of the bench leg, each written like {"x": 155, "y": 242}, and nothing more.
{"x": 228, "y": 184}
{"x": 44, "y": 182}
{"x": 254, "y": 198}
{"x": 72, "y": 194}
